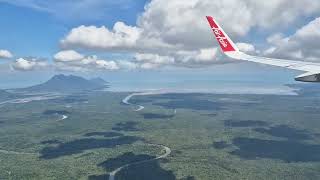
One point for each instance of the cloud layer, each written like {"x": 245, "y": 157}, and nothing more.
{"x": 71, "y": 60}
{"x": 303, "y": 44}
{"x": 176, "y": 23}
{"x": 176, "y": 32}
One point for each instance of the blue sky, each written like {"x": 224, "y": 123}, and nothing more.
{"x": 28, "y": 32}
{"x": 164, "y": 40}
{"x": 31, "y": 32}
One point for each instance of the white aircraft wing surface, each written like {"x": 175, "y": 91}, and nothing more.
{"x": 230, "y": 49}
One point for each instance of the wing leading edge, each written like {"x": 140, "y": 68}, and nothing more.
{"x": 230, "y": 49}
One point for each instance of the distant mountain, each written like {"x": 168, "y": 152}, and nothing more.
{"x": 63, "y": 83}
{"x": 4, "y": 95}
{"x": 99, "y": 81}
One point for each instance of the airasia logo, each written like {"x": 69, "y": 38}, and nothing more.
{"x": 220, "y": 37}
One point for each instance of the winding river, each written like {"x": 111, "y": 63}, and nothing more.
{"x": 127, "y": 99}
{"x": 166, "y": 154}
{"x": 140, "y": 107}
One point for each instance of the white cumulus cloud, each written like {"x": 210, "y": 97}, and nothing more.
{"x": 23, "y": 64}
{"x": 68, "y": 55}
{"x": 182, "y": 24}
{"x": 302, "y": 44}
{"x": 71, "y": 60}
{"x": 127, "y": 65}
{"x": 152, "y": 61}
{"x": 175, "y": 32}
{"x": 246, "y": 47}
{"x": 121, "y": 36}
{"x": 5, "y": 54}
{"x": 154, "y": 58}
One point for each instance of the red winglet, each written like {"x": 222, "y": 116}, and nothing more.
{"x": 225, "y": 42}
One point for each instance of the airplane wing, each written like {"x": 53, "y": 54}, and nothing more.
{"x": 230, "y": 49}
